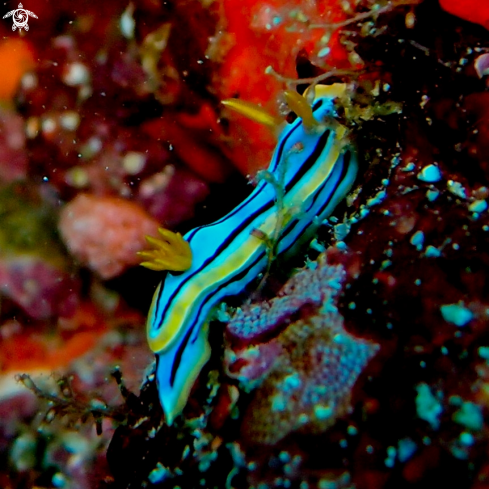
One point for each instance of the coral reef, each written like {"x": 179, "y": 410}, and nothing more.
{"x": 312, "y": 365}
{"x": 118, "y": 103}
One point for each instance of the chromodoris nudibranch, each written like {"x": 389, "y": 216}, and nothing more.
{"x": 314, "y": 169}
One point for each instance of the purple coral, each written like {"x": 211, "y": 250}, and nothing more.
{"x": 309, "y": 287}
{"x": 308, "y": 370}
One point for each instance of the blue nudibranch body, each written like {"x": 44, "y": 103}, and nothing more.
{"x": 315, "y": 170}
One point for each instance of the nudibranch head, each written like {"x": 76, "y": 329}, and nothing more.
{"x": 170, "y": 253}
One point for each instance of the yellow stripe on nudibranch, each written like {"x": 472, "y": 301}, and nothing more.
{"x": 311, "y": 171}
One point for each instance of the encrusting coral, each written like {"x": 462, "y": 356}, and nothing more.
{"x": 305, "y": 373}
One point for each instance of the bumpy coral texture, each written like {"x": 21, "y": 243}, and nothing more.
{"x": 307, "y": 372}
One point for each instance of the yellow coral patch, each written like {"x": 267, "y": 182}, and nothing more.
{"x": 170, "y": 253}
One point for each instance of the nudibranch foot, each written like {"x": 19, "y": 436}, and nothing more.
{"x": 170, "y": 253}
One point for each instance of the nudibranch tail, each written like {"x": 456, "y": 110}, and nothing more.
{"x": 170, "y": 253}
{"x": 187, "y": 357}
{"x": 315, "y": 169}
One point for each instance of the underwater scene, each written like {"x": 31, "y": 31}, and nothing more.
{"x": 244, "y": 244}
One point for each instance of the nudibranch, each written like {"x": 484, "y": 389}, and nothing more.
{"x": 311, "y": 171}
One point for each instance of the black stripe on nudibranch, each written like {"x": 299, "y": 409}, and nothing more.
{"x": 233, "y": 278}
{"x": 309, "y": 163}
{"x": 273, "y": 165}
{"x": 299, "y": 221}
{"x": 323, "y": 185}
{"x": 344, "y": 171}
{"x": 269, "y": 204}
{"x": 197, "y": 319}
{"x": 217, "y": 254}
{"x": 181, "y": 348}
{"x": 317, "y": 105}
{"x": 158, "y": 298}
{"x": 295, "y": 180}
{"x": 178, "y": 357}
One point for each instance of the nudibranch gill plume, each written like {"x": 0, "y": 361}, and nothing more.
{"x": 311, "y": 171}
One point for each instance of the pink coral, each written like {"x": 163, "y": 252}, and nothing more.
{"x": 105, "y": 232}
{"x": 310, "y": 383}
{"x": 306, "y": 288}
{"x": 307, "y": 372}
